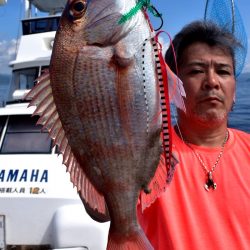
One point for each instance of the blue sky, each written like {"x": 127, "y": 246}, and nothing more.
{"x": 176, "y": 13}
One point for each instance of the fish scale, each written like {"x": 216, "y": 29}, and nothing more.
{"x": 104, "y": 84}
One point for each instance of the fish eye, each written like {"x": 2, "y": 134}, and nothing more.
{"x": 77, "y": 8}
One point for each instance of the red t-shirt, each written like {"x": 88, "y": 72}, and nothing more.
{"x": 187, "y": 217}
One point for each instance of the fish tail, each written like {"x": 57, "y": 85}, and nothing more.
{"x": 135, "y": 241}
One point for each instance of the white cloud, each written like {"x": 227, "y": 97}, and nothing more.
{"x": 164, "y": 44}
{"x": 7, "y": 54}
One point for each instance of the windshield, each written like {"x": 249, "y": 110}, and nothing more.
{"x": 24, "y": 79}
{"x": 40, "y": 25}
{"x": 23, "y": 136}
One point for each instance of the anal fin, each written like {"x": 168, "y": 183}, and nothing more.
{"x": 159, "y": 183}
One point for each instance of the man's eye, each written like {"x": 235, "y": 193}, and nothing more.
{"x": 223, "y": 72}
{"x": 196, "y": 71}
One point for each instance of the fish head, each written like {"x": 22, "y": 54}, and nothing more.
{"x": 96, "y": 22}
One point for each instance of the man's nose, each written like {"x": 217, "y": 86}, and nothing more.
{"x": 211, "y": 80}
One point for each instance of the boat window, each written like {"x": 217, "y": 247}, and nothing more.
{"x": 23, "y": 136}
{"x": 40, "y": 25}
{"x": 25, "y": 78}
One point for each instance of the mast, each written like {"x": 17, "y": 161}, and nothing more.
{"x": 27, "y": 9}
{"x": 2, "y": 2}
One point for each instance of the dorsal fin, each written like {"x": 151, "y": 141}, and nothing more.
{"x": 41, "y": 96}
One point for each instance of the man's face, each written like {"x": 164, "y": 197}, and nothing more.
{"x": 208, "y": 77}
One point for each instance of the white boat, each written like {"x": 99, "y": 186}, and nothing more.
{"x": 39, "y": 208}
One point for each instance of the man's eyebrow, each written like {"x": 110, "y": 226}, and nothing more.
{"x": 196, "y": 63}
{"x": 206, "y": 64}
{"x": 224, "y": 65}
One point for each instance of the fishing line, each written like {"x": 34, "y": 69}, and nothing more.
{"x": 173, "y": 108}
{"x": 157, "y": 14}
{"x": 164, "y": 100}
{"x": 172, "y": 48}
{"x": 144, "y": 82}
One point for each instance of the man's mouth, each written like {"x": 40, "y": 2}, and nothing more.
{"x": 211, "y": 99}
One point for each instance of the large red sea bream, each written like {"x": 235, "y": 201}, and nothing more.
{"x": 101, "y": 103}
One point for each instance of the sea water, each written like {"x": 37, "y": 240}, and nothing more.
{"x": 240, "y": 116}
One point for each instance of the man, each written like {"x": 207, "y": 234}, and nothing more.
{"x": 207, "y": 204}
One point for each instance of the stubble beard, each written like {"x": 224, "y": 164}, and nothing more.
{"x": 209, "y": 117}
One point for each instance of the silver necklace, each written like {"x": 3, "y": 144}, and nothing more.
{"x": 209, "y": 173}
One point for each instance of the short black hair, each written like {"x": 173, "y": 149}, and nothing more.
{"x": 200, "y": 31}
